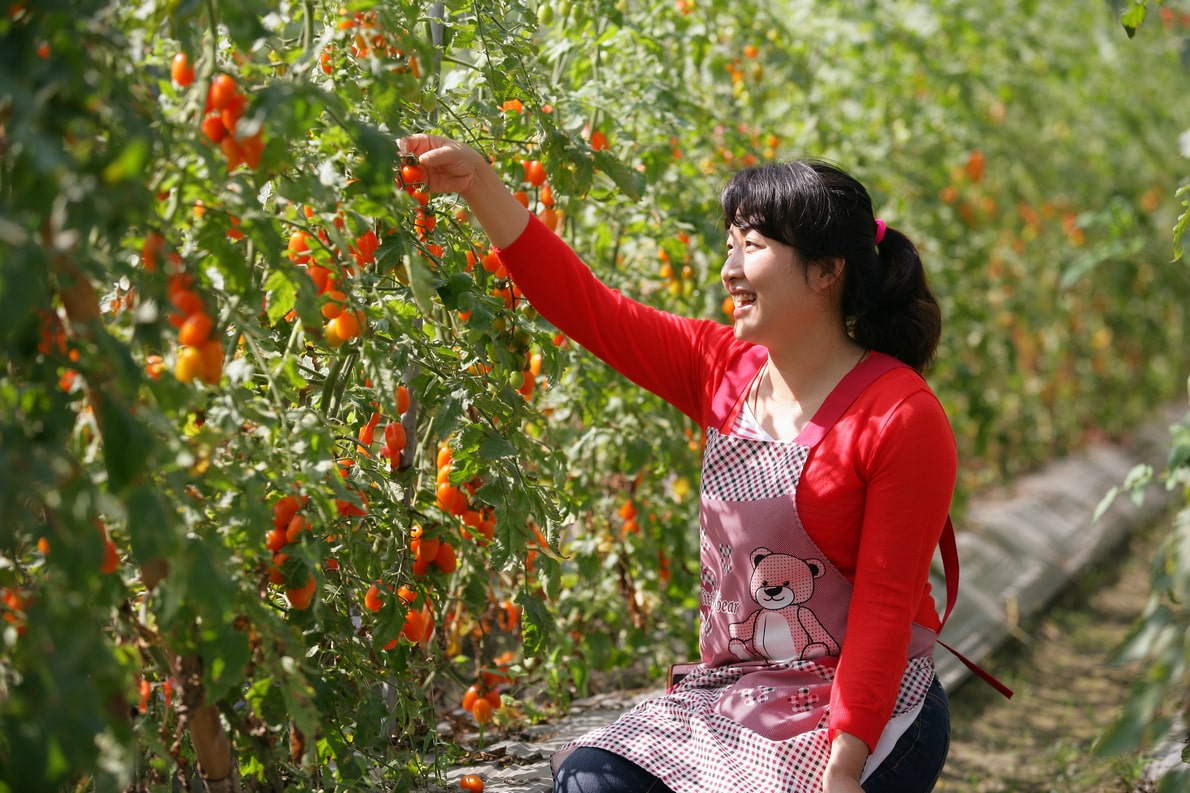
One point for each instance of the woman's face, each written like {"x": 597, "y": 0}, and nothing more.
{"x": 769, "y": 288}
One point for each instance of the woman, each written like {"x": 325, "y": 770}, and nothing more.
{"x": 827, "y": 478}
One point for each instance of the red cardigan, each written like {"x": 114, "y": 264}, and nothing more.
{"x": 874, "y": 494}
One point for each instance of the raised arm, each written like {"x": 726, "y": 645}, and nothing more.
{"x": 452, "y": 167}
{"x": 678, "y": 358}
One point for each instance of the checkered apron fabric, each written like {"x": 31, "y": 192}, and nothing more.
{"x": 753, "y": 716}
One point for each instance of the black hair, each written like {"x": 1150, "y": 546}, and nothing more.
{"x": 824, "y": 213}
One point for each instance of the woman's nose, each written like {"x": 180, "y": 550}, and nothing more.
{"x": 731, "y": 267}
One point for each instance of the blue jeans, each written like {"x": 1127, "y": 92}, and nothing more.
{"x": 916, "y": 761}
{"x": 590, "y": 770}
{"x": 913, "y": 765}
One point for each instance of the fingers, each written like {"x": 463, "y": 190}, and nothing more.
{"x": 434, "y": 151}
{"x": 418, "y": 144}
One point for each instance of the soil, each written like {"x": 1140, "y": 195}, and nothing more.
{"x": 1067, "y": 692}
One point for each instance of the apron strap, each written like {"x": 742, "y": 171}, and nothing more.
{"x": 950, "y": 574}
{"x": 733, "y": 388}
{"x": 847, "y": 391}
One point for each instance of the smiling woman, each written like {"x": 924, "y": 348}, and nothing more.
{"x": 816, "y": 648}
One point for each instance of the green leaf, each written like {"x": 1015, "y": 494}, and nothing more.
{"x": 298, "y": 695}
{"x": 149, "y": 524}
{"x": 126, "y": 442}
{"x": 225, "y": 659}
{"x": 495, "y": 447}
{"x": 630, "y": 182}
{"x": 537, "y": 623}
{"x": 282, "y": 294}
{"x": 130, "y": 164}
{"x": 421, "y": 283}
{"x": 1177, "y": 780}
{"x": 1179, "y": 456}
{"x": 1104, "y": 503}
{"x": 1133, "y": 17}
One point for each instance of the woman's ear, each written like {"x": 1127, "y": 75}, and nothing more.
{"x": 828, "y": 274}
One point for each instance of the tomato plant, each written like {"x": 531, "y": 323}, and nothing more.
{"x": 242, "y": 338}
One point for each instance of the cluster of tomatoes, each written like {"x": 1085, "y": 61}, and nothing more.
{"x": 343, "y": 323}
{"x": 200, "y": 352}
{"x": 419, "y": 623}
{"x": 288, "y": 526}
{"x": 431, "y": 551}
{"x": 412, "y": 180}
{"x": 221, "y": 120}
{"x": 55, "y": 342}
{"x": 482, "y": 698}
{"x": 628, "y": 515}
{"x": 396, "y": 437}
{"x": 454, "y": 499}
{"x": 502, "y": 286}
{"x": 368, "y": 38}
{"x": 14, "y": 604}
{"x": 146, "y": 693}
{"x": 535, "y": 177}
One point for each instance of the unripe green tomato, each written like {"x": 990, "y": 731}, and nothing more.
{"x": 516, "y": 380}
{"x": 521, "y": 337}
{"x": 429, "y": 101}
{"x": 564, "y": 9}
{"x": 545, "y": 14}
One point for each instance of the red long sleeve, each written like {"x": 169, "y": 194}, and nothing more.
{"x": 678, "y": 358}
{"x": 874, "y": 496}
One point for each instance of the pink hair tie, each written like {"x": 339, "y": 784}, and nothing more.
{"x": 880, "y": 227}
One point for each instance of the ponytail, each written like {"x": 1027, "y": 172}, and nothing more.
{"x": 887, "y": 304}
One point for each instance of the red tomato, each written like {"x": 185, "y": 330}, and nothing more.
{"x": 471, "y": 783}
{"x": 300, "y": 598}
{"x": 412, "y": 175}
{"x": 284, "y": 510}
{"x": 276, "y": 539}
{"x": 372, "y": 600}
{"x": 482, "y": 711}
{"x": 212, "y": 127}
{"x": 470, "y": 696}
{"x": 181, "y": 71}
{"x": 196, "y": 329}
{"x": 223, "y": 91}
{"x": 534, "y": 172}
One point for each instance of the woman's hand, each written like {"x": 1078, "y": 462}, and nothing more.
{"x": 846, "y": 765}
{"x": 447, "y": 165}
{"x": 452, "y": 167}
{"x": 840, "y": 784}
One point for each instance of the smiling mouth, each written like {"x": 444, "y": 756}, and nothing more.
{"x": 741, "y": 299}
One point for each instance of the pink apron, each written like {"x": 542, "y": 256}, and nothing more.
{"x": 753, "y": 715}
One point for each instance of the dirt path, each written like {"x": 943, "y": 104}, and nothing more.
{"x": 1067, "y": 693}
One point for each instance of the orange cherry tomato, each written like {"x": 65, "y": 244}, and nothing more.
{"x": 223, "y": 90}
{"x": 301, "y": 597}
{"x": 372, "y": 600}
{"x": 181, "y": 71}
{"x": 471, "y": 783}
